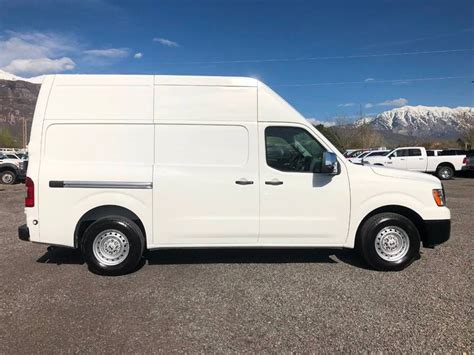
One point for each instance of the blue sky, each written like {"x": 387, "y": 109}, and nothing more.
{"x": 358, "y": 49}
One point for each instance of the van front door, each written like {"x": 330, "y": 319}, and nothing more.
{"x": 299, "y": 205}
{"x": 205, "y": 184}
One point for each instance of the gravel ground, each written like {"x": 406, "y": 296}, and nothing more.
{"x": 237, "y": 300}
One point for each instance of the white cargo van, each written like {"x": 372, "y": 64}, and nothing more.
{"x": 121, "y": 164}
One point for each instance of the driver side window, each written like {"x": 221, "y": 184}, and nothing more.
{"x": 292, "y": 149}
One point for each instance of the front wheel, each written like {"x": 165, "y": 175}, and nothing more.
{"x": 445, "y": 172}
{"x": 389, "y": 241}
{"x": 113, "y": 246}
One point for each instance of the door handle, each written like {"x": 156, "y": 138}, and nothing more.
{"x": 244, "y": 182}
{"x": 274, "y": 182}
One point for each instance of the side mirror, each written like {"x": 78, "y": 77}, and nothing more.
{"x": 329, "y": 164}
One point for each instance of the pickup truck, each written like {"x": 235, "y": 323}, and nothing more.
{"x": 11, "y": 170}
{"x": 416, "y": 159}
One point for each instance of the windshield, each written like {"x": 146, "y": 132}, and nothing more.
{"x": 354, "y": 154}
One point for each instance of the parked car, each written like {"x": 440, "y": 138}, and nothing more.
{"x": 359, "y": 155}
{"x": 469, "y": 162}
{"x": 191, "y": 162}
{"x": 415, "y": 158}
{"x": 370, "y": 153}
{"x": 354, "y": 153}
{"x": 11, "y": 170}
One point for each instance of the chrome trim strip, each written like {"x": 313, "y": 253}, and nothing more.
{"x": 104, "y": 185}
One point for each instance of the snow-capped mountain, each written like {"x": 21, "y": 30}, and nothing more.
{"x": 7, "y": 76}
{"x": 422, "y": 121}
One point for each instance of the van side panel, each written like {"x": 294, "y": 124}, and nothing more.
{"x": 205, "y": 103}
{"x": 98, "y": 131}
{"x": 206, "y": 164}
{"x": 34, "y": 151}
{"x": 85, "y": 154}
{"x": 101, "y": 97}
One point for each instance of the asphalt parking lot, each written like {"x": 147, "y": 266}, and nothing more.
{"x": 237, "y": 300}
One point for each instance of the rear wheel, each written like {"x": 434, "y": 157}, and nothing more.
{"x": 7, "y": 177}
{"x": 445, "y": 172}
{"x": 389, "y": 241}
{"x": 113, "y": 246}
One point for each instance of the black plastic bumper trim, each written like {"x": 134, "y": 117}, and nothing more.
{"x": 436, "y": 232}
{"x": 24, "y": 233}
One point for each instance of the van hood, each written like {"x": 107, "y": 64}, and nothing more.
{"x": 404, "y": 174}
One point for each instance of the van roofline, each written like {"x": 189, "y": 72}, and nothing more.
{"x": 157, "y": 80}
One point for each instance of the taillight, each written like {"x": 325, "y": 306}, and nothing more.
{"x": 30, "y": 193}
{"x": 464, "y": 161}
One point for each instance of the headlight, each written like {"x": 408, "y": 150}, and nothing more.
{"x": 439, "y": 197}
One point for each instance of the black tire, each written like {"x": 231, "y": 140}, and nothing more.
{"x": 366, "y": 243}
{"x": 7, "y": 177}
{"x": 124, "y": 227}
{"x": 445, "y": 172}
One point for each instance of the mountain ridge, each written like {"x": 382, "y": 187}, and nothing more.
{"x": 422, "y": 121}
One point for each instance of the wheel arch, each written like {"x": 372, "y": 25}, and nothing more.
{"x": 446, "y": 163}
{"x": 8, "y": 167}
{"x": 401, "y": 210}
{"x": 103, "y": 211}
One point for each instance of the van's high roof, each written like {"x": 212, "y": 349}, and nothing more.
{"x": 87, "y": 79}
{"x": 148, "y": 98}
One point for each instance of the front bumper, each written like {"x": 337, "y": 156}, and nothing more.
{"x": 24, "y": 233}
{"x": 436, "y": 232}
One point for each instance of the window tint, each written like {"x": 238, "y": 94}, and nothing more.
{"x": 430, "y": 153}
{"x": 452, "y": 152}
{"x": 292, "y": 149}
{"x": 354, "y": 154}
{"x": 414, "y": 152}
{"x": 377, "y": 154}
{"x": 400, "y": 153}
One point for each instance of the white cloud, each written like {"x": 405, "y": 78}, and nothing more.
{"x": 36, "y": 52}
{"x": 40, "y": 65}
{"x": 108, "y": 53}
{"x": 368, "y": 105}
{"x": 349, "y": 104}
{"x": 400, "y": 83}
{"x": 396, "y": 102}
{"x": 166, "y": 42}
{"x": 369, "y": 79}
{"x": 138, "y": 55}
{"x": 315, "y": 121}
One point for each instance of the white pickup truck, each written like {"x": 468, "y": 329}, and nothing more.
{"x": 416, "y": 159}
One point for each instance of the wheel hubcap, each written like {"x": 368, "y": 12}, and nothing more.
{"x": 7, "y": 179}
{"x": 445, "y": 173}
{"x": 392, "y": 243}
{"x": 111, "y": 247}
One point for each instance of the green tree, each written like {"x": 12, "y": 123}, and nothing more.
{"x": 6, "y": 139}
{"x": 331, "y": 135}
